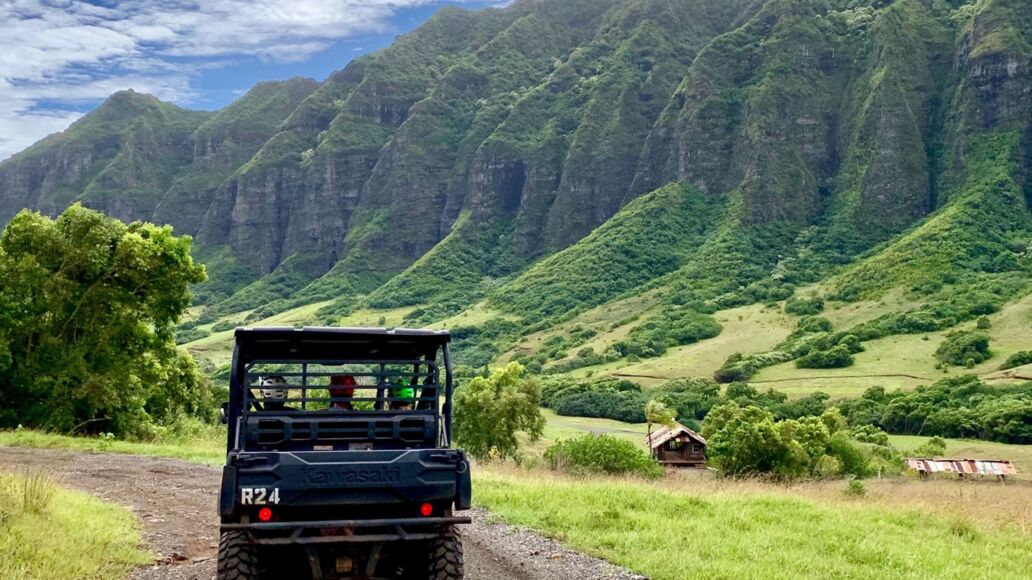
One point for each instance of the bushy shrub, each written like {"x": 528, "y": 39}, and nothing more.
{"x": 828, "y": 467}
{"x": 851, "y": 342}
{"x": 439, "y": 310}
{"x": 191, "y": 335}
{"x": 961, "y": 346}
{"x": 834, "y": 358}
{"x": 740, "y": 368}
{"x": 586, "y": 357}
{"x": 601, "y": 454}
{"x": 804, "y": 306}
{"x": 811, "y": 324}
{"x": 1020, "y": 358}
{"x": 732, "y": 373}
{"x": 934, "y": 447}
{"x": 673, "y": 327}
{"x": 855, "y": 488}
{"x": 223, "y": 326}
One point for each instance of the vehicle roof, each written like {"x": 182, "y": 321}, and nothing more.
{"x": 328, "y": 343}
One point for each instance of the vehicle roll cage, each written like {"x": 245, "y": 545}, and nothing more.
{"x": 427, "y": 381}
{"x": 320, "y": 346}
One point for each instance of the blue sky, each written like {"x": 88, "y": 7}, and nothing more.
{"x": 61, "y": 58}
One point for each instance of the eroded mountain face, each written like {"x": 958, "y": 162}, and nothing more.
{"x": 489, "y": 139}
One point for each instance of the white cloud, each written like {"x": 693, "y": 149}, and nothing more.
{"x": 19, "y": 130}
{"x": 55, "y": 54}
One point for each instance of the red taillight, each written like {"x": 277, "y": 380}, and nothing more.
{"x": 265, "y": 514}
{"x": 426, "y": 509}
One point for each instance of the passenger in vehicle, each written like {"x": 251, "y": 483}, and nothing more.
{"x": 274, "y": 393}
{"x": 342, "y": 389}
{"x": 402, "y": 390}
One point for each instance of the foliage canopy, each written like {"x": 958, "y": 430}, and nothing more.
{"x": 489, "y": 412}
{"x": 88, "y": 306}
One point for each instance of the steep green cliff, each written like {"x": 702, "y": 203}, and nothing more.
{"x": 556, "y": 155}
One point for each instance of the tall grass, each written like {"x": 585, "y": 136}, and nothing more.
{"x": 47, "y": 532}
{"x": 37, "y": 491}
{"x": 672, "y": 530}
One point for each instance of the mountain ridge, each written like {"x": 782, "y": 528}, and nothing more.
{"x": 522, "y": 157}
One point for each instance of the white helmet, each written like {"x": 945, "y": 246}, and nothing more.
{"x": 273, "y": 388}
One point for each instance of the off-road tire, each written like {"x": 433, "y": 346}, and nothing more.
{"x": 446, "y": 557}
{"x": 238, "y": 559}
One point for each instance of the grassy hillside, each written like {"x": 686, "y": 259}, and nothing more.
{"x": 651, "y": 237}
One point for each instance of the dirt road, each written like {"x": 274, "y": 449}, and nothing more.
{"x": 175, "y": 502}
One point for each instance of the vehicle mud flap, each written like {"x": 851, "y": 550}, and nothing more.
{"x": 227, "y": 495}
{"x": 463, "y": 487}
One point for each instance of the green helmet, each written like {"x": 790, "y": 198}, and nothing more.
{"x": 402, "y": 390}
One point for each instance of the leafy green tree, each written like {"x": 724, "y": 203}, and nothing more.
{"x": 88, "y": 307}
{"x": 869, "y": 434}
{"x": 489, "y": 412}
{"x": 689, "y": 398}
{"x": 745, "y": 440}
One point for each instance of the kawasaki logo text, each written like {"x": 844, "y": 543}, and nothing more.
{"x": 315, "y": 476}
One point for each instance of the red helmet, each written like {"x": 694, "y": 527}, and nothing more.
{"x": 345, "y": 386}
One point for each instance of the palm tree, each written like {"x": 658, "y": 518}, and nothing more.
{"x": 657, "y": 412}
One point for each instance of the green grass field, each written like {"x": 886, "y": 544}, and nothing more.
{"x": 558, "y": 427}
{"x": 668, "y": 534}
{"x": 209, "y": 449}
{"x": 903, "y": 528}
{"x": 47, "y": 532}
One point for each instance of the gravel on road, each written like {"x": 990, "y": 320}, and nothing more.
{"x": 175, "y": 503}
